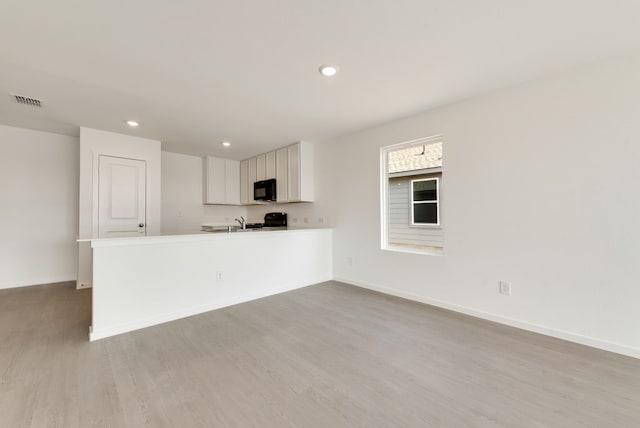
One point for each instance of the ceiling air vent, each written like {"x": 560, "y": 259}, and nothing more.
{"x": 28, "y": 101}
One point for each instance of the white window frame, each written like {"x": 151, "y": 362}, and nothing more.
{"x": 436, "y": 201}
{"x": 384, "y": 197}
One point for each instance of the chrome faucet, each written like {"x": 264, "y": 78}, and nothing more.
{"x": 243, "y": 222}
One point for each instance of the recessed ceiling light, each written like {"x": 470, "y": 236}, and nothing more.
{"x": 226, "y": 143}
{"x": 132, "y": 123}
{"x": 328, "y": 70}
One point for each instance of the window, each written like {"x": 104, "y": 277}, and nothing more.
{"x": 411, "y": 201}
{"x": 424, "y": 202}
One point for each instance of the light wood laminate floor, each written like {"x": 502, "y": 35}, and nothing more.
{"x": 328, "y": 355}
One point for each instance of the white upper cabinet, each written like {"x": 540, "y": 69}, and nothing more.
{"x": 221, "y": 181}
{"x": 252, "y": 178}
{"x": 293, "y": 173}
{"x": 261, "y": 168}
{"x": 270, "y": 165}
{"x": 300, "y": 172}
{"x": 244, "y": 183}
{"x": 282, "y": 168}
{"x": 248, "y": 176}
{"x": 232, "y": 182}
{"x": 291, "y": 166}
{"x": 214, "y": 180}
{"x": 266, "y": 166}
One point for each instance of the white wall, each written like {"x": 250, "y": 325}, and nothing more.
{"x": 39, "y": 215}
{"x": 542, "y": 190}
{"x": 94, "y": 143}
{"x": 182, "y": 207}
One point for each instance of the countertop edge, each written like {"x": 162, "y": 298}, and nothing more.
{"x": 203, "y": 236}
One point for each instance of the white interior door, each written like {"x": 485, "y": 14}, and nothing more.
{"x": 121, "y": 197}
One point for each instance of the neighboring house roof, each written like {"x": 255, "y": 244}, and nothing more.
{"x": 416, "y": 157}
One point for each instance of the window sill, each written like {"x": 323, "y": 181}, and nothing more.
{"x": 427, "y": 251}
{"x": 426, "y": 226}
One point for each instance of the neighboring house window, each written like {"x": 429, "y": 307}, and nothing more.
{"x": 411, "y": 202}
{"x": 424, "y": 202}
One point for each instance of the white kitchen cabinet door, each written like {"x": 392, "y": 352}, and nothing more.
{"x": 261, "y": 168}
{"x": 244, "y": 182}
{"x": 307, "y": 177}
{"x": 253, "y": 172}
{"x": 121, "y": 197}
{"x": 300, "y": 179}
{"x": 214, "y": 180}
{"x": 270, "y": 165}
{"x": 293, "y": 173}
{"x": 232, "y": 182}
{"x": 221, "y": 181}
{"x": 282, "y": 167}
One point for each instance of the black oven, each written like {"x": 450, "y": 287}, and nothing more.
{"x": 264, "y": 190}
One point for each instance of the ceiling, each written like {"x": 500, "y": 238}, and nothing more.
{"x": 197, "y": 72}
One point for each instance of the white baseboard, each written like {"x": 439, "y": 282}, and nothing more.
{"x": 195, "y": 310}
{"x": 35, "y": 281}
{"x": 547, "y": 331}
{"x": 83, "y": 285}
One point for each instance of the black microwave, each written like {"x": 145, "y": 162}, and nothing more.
{"x": 264, "y": 190}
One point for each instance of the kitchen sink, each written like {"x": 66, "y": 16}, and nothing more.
{"x": 224, "y": 229}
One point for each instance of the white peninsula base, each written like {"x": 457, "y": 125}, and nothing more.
{"x": 140, "y": 282}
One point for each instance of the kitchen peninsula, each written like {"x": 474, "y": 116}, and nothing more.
{"x": 143, "y": 281}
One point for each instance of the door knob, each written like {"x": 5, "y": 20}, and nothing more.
{"x": 141, "y": 225}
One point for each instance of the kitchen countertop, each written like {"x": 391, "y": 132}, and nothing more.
{"x": 192, "y": 236}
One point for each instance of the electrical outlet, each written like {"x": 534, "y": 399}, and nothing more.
{"x": 505, "y": 288}
{"x": 320, "y": 220}
{"x": 306, "y": 219}
{"x": 294, "y": 220}
{"x": 350, "y": 261}
{"x": 219, "y": 276}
